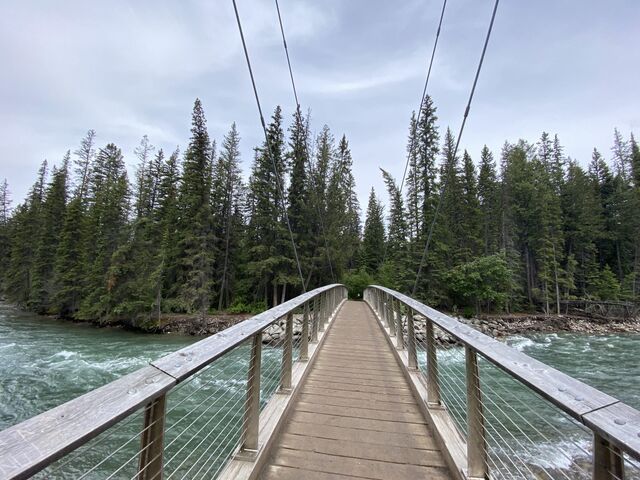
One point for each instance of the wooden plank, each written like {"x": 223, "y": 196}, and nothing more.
{"x": 407, "y": 440}
{"x": 572, "y": 396}
{"x": 357, "y": 396}
{"x": 361, "y": 423}
{"x": 619, "y": 424}
{"x": 369, "y": 404}
{"x": 360, "y": 412}
{"x": 357, "y": 467}
{"x": 367, "y": 451}
{"x": 357, "y": 380}
{"x": 278, "y": 472}
{"x": 33, "y": 444}
{"x": 354, "y": 387}
{"x": 344, "y": 373}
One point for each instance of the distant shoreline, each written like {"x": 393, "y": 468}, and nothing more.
{"x": 494, "y": 325}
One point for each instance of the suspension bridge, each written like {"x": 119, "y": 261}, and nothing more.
{"x": 353, "y": 389}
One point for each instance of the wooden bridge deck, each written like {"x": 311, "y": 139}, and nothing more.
{"x": 355, "y": 416}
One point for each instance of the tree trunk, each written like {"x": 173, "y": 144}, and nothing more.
{"x": 275, "y": 294}
{"x": 284, "y": 293}
{"x": 555, "y": 271}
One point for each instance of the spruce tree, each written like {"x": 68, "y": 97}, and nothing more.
{"x": 489, "y": 198}
{"x": 372, "y": 253}
{"x": 195, "y": 236}
{"x": 227, "y": 205}
{"x": 48, "y": 238}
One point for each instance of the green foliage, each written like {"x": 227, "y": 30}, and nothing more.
{"x": 241, "y": 307}
{"x": 483, "y": 283}
{"x": 356, "y": 282}
{"x": 187, "y": 235}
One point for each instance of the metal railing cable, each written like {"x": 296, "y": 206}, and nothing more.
{"x": 298, "y": 112}
{"x": 449, "y": 361}
{"x": 518, "y": 417}
{"x": 424, "y": 93}
{"x": 269, "y": 149}
{"x": 195, "y": 404}
{"x": 455, "y": 151}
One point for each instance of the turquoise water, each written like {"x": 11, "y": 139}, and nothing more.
{"x": 45, "y": 362}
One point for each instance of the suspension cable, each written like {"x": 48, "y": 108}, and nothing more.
{"x": 424, "y": 94}
{"x": 455, "y": 151}
{"x": 268, "y": 145}
{"x": 412, "y": 144}
{"x": 295, "y": 95}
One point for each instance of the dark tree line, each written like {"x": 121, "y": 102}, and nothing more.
{"x": 187, "y": 233}
{"x": 526, "y": 230}
{"x": 523, "y": 231}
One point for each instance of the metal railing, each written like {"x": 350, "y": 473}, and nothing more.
{"x": 182, "y": 416}
{"x": 512, "y": 416}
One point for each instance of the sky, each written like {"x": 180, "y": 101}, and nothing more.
{"x": 128, "y": 69}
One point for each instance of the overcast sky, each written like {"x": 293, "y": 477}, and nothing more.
{"x": 127, "y": 69}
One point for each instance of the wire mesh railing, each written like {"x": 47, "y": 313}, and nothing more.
{"x": 514, "y": 416}
{"x": 182, "y": 417}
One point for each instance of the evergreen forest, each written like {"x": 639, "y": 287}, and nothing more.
{"x": 523, "y": 229}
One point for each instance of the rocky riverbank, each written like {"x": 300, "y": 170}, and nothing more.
{"x": 499, "y": 326}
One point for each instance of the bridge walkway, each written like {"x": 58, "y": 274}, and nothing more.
{"x": 355, "y": 416}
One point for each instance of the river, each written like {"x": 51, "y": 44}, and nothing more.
{"x": 45, "y": 362}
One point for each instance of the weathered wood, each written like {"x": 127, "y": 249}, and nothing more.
{"x": 399, "y": 326}
{"x": 287, "y": 355}
{"x": 476, "y": 442}
{"x": 412, "y": 353}
{"x": 433, "y": 380}
{"x": 350, "y": 420}
{"x": 570, "y": 395}
{"x": 608, "y": 463}
{"x": 250, "y": 426}
{"x": 187, "y": 361}
{"x": 618, "y": 423}
{"x": 30, "y": 446}
{"x": 304, "y": 342}
{"x": 323, "y": 311}
{"x": 316, "y": 320}
{"x": 152, "y": 440}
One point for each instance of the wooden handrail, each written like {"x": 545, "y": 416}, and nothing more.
{"x": 30, "y": 446}
{"x": 607, "y": 416}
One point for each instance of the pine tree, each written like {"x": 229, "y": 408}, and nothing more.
{"x": 396, "y": 247}
{"x": 471, "y": 213}
{"x": 25, "y": 227}
{"x": 195, "y": 222}
{"x": 107, "y": 226}
{"x": 85, "y": 155}
{"x": 5, "y": 231}
{"x": 489, "y": 197}
{"x": 269, "y": 253}
{"x": 227, "y": 204}
{"x": 373, "y": 240}
{"x": 583, "y": 226}
{"x": 48, "y": 238}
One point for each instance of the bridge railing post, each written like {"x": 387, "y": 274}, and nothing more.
{"x": 399, "y": 326}
{"x": 251, "y": 424}
{"x": 152, "y": 440}
{"x": 323, "y": 311}
{"x": 389, "y": 314}
{"x": 304, "y": 341}
{"x": 433, "y": 380}
{"x": 608, "y": 462}
{"x": 411, "y": 341}
{"x": 476, "y": 441}
{"x": 287, "y": 356}
{"x": 315, "y": 320}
